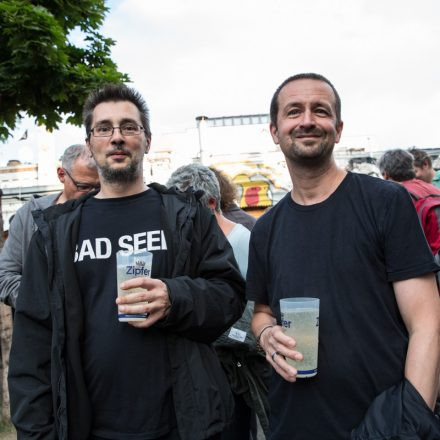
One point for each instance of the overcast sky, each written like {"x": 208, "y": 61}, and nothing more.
{"x": 218, "y": 58}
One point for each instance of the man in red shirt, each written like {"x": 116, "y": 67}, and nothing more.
{"x": 398, "y": 166}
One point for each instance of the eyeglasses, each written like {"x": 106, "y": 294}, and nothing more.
{"x": 80, "y": 186}
{"x": 107, "y": 130}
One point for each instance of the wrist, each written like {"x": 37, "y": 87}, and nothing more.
{"x": 265, "y": 330}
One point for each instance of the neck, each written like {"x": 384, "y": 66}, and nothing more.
{"x": 61, "y": 198}
{"x": 111, "y": 190}
{"x": 314, "y": 185}
{"x": 225, "y": 224}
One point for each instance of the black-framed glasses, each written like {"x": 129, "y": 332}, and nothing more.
{"x": 126, "y": 129}
{"x": 81, "y": 186}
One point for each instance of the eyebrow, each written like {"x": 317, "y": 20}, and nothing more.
{"x": 314, "y": 104}
{"x": 123, "y": 121}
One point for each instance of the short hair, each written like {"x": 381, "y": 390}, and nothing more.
{"x": 274, "y": 105}
{"x": 199, "y": 177}
{"x": 228, "y": 189}
{"x": 398, "y": 164}
{"x": 72, "y": 153}
{"x": 420, "y": 157}
{"x": 116, "y": 93}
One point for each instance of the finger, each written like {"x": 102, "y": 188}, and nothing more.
{"x": 145, "y": 323}
{"x": 279, "y": 337}
{"x": 280, "y": 365}
{"x": 146, "y": 283}
{"x": 140, "y": 296}
{"x": 134, "y": 309}
{"x": 285, "y": 370}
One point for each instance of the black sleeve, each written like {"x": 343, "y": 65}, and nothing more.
{"x": 30, "y": 358}
{"x": 208, "y": 303}
{"x": 257, "y": 277}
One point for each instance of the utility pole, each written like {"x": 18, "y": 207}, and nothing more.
{"x": 201, "y": 126}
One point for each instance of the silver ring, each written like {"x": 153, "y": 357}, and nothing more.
{"x": 273, "y": 355}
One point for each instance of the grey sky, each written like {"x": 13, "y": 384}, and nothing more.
{"x": 204, "y": 57}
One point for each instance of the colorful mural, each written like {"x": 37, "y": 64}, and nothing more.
{"x": 258, "y": 184}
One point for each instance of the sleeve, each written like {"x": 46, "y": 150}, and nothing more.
{"x": 30, "y": 358}
{"x": 205, "y": 305}
{"x": 407, "y": 253}
{"x": 11, "y": 263}
{"x": 257, "y": 278}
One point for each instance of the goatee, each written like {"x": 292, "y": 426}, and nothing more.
{"x": 120, "y": 175}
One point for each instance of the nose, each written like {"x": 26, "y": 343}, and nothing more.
{"x": 117, "y": 137}
{"x": 307, "y": 119}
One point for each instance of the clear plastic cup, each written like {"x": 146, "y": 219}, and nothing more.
{"x": 300, "y": 320}
{"x": 132, "y": 265}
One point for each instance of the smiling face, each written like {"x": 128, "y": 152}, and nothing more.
{"x": 119, "y": 158}
{"x": 306, "y": 129}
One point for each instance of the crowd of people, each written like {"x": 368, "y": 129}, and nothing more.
{"x": 209, "y": 358}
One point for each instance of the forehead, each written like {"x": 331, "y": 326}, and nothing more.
{"x": 306, "y": 91}
{"x": 115, "y": 111}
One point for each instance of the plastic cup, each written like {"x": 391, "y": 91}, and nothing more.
{"x": 132, "y": 265}
{"x": 300, "y": 320}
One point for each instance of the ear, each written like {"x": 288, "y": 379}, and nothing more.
{"x": 88, "y": 146}
{"x": 212, "y": 203}
{"x": 61, "y": 174}
{"x": 274, "y": 133}
{"x": 339, "y": 128}
{"x": 147, "y": 145}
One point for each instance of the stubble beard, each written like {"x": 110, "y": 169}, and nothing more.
{"x": 125, "y": 175}
{"x": 119, "y": 175}
{"x": 313, "y": 157}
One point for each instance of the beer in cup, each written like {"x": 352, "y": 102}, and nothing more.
{"x": 300, "y": 320}
{"x": 132, "y": 265}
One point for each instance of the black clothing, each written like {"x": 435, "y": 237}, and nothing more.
{"x": 346, "y": 251}
{"x": 238, "y": 215}
{"x": 116, "y": 353}
{"x": 49, "y": 397}
{"x": 399, "y": 413}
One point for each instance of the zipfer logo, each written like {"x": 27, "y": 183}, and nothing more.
{"x": 137, "y": 271}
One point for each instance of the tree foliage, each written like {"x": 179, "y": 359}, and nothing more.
{"x": 44, "y": 75}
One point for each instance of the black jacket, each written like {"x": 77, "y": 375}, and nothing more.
{"x": 49, "y": 398}
{"x": 399, "y": 413}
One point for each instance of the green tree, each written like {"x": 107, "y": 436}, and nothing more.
{"x": 44, "y": 75}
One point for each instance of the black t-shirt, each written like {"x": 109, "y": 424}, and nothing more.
{"x": 346, "y": 251}
{"x": 127, "y": 369}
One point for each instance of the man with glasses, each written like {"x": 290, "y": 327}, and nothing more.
{"x": 75, "y": 161}
{"x": 75, "y": 370}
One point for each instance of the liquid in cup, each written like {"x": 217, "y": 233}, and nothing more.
{"x": 132, "y": 265}
{"x": 300, "y": 320}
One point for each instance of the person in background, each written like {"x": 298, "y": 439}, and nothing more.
{"x": 398, "y": 166}
{"x": 228, "y": 205}
{"x": 246, "y": 368}
{"x": 354, "y": 242}
{"x": 78, "y": 175}
{"x": 423, "y": 167}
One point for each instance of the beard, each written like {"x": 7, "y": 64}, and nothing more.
{"x": 309, "y": 154}
{"x": 120, "y": 175}
{"x": 125, "y": 175}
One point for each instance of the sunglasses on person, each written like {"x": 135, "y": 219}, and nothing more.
{"x": 81, "y": 186}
